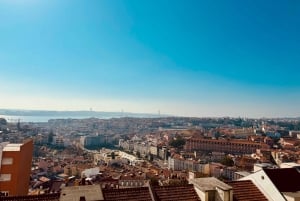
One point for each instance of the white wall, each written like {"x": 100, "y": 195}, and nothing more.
{"x": 201, "y": 195}
{"x": 265, "y": 185}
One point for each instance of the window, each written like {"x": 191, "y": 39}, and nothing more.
{"x": 7, "y": 161}
{"x": 4, "y": 193}
{"x": 5, "y": 177}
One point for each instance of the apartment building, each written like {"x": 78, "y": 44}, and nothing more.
{"x": 176, "y": 163}
{"x": 58, "y": 140}
{"x": 15, "y": 168}
{"x": 94, "y": 140}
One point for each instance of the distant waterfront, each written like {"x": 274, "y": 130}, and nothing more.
{"x": 41, "y": 118}
{"x": 44, "y": 116}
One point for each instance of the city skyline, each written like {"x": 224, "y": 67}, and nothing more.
{"x": 198, "y": 59}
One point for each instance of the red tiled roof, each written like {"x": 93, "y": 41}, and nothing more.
{"x": 42, "y": 197}
{"x": 178, "y": 193}
{"x": 128, "y": 194}
{"x": 246, "y": 191}
{"x": 285, "y": 179}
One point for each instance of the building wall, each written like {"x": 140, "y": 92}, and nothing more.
{"x": 25, "y": 167}
{"x": 265, "y": 185}
{"x": 132, "y": 183}
{"x": 58, "y": 140}
{"x": 228, "y": 146}
{"x": 202, "y": 195}
{"x": 292, "y": 196}
{"x": 182, "y": 164}
{"x": 142, "y": 148}
{"x": 223, "y": 195}
{"x": 19, "y": 170}
{"x": 162, "y": 153}
{"x": 93, "y": 140}
{"x": 11, "y": 185}
{"x": 153, "y": 150}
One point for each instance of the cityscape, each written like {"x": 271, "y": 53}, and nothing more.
{"x": 149, "y": 100}
{"x": 127, "y": 157}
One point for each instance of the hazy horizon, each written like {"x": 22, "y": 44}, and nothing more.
{"x": 202, "y": 59}
{"x": 30, "y": 112}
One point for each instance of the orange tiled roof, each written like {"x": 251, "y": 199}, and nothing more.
{"x": 178, "y": 193}
{"x": 246, "y": 191}
{"x": 127, "y": 194}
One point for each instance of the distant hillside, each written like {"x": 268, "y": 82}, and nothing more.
{"x": 11, "y": 112}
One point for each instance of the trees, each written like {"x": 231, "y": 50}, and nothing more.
{"x": 177, "y": 142}
{"x": 227, "y": 160}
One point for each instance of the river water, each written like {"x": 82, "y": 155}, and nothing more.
{"x": 43, "y": 118}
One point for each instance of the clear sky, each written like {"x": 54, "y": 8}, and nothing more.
{"x": 192, "y": 58}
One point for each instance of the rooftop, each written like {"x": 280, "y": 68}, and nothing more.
{"x": 12, "y": 147}
{"x": 178, "y": 193}
{"x": 246, "y": 191}
{"x": 127, "y": 194}
{"x": 90, "y": 192}
{"x": 243, "y": 173}
{"x": 209, "y": 183}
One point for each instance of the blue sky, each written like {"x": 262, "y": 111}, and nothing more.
{"x": 192, "y": 58}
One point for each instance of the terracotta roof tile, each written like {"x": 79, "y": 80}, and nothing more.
{"x": 246, "y": 191}
{"x": 178, "y": 193}
{"x": 128, "y": 194}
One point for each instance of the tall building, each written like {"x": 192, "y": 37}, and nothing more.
{"x": 15, "y": 168}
